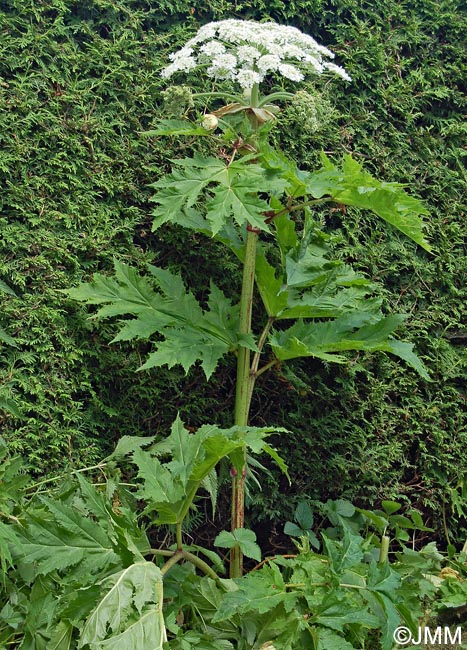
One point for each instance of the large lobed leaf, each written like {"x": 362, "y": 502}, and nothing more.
{"x": 353, "y": 186}
{"x": 190, "y": 334}
{"x": 357, "y": 331}
{"x": 227, "y": 190}
{"x": 174, "y": 470}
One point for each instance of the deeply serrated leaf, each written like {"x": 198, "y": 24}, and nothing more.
{"x": 358, "y": 331}
{"x": 353, "y": 186}
{"x": 67, "y": 540}
{"x": 189, "y": 333}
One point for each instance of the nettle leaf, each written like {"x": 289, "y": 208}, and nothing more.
{"x": 129, "y": 615}
{"x": 228, "y": 190}
{"x": 190, "y": 333}
{"x": 353, "y": 186}
{"x": 241, "y": 538}
{"x": 259, "y": 591}
{"x": 357, "y": 331}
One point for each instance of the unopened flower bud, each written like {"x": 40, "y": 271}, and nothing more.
{"x": 210, "y": 122}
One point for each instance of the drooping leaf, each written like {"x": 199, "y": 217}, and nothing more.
{"x": 353, "y": 186}
{"x": 357, "y": 331}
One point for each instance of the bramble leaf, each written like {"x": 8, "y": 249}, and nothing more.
{"x": 242, "y": 538}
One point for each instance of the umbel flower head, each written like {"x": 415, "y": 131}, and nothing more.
{"x": 245, "y": 52}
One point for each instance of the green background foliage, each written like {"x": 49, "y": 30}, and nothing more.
{"x": 79, "y": 81}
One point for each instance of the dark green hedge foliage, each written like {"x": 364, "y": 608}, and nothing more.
{"x": 78, "y": 82}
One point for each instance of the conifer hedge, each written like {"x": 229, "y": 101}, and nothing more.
{"x": 79, "y": 82}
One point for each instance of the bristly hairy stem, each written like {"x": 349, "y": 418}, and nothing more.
{"x": 243, "y": 390}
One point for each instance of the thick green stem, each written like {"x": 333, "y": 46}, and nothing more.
{"x": 176, "y": 557}
{"x": 384, "y": 549}
{"x": 178, "y": 534}
{"x": 243, "y": 390}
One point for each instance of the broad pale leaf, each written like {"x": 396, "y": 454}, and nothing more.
{"x": 129, "y": 616}
{"x": 61, "y": 637}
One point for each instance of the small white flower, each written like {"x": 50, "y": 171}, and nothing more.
{"x": 223, "y": 67}
{"x": 245, "y": 51}
{"x": 291, "y": 72}
{"x": 247, "y": 54}
{"x": 268, "y": 62}
{"x": 212, "y": 48}
{"x": 337, "y": 70}
{"x": 248, "y": 78}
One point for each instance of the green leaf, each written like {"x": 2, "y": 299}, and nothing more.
{"x": 293, "y": 530}
{"x": 346, "y": 553}
{"x": 242, "y": 538}
{"x": 67, "y": 539}
{"x": 357, "y": 331}
{"x": 337, "y": 613}
{"x": 353, "y": 186}
{"x": 382, "y": 586}
{"x": 4, "y": 288}
{"x": 175, "y": 127}
{"x": 6, "y": 338}
{"x": 189, "y": 333}
{"x": 304, "y": 515}
{"x": 329, "y": 640}
{"x": 129, "y": 616}
{"x": 390, "y": 507}
{"x": 227, "y": 190}
{"x": 61, "y": 636}
{"x": 260, "y": 592}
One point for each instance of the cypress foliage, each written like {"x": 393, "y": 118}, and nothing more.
{"x": 79, "y": 81}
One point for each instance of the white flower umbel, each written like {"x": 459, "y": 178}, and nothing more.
{"x": 246, "y": 52}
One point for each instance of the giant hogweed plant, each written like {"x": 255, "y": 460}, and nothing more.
{"x": 83, "y": 578}
{"x": 256, "y": 201}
